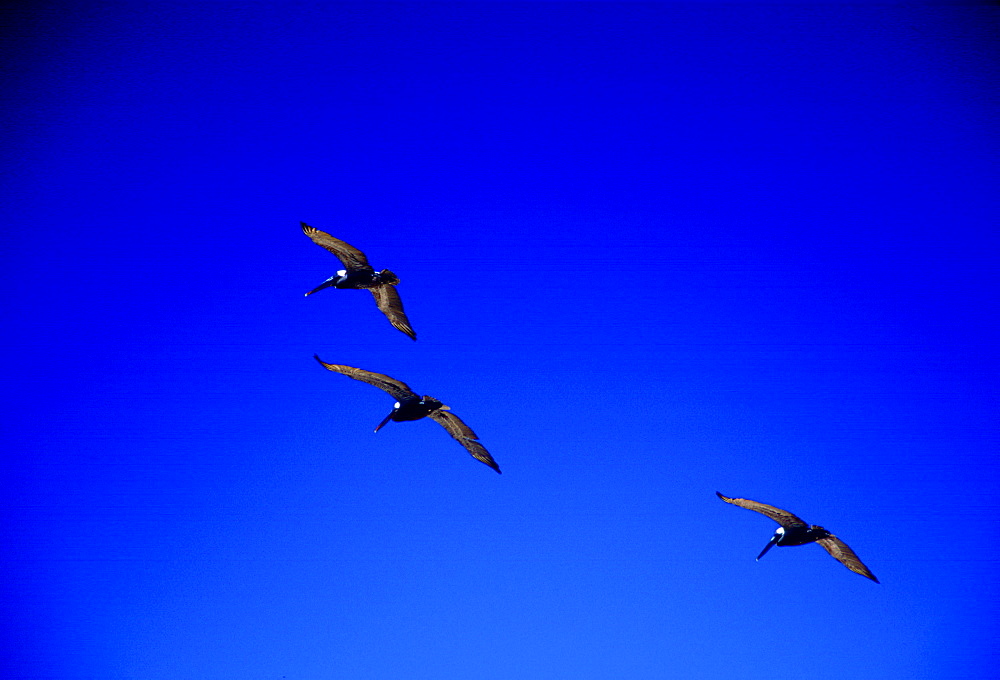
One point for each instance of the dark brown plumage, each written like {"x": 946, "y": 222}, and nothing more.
{"x": 359, "y": 274}
{"x": 793, "y": 531}
{"x": 351, "y": 257}
{"x": 782, "y": 517}
{"x": 410, "y": 406}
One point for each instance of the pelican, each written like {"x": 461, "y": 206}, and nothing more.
{"x": 793, "y": 531}
{"x": 410, "y": 406}
{"x": 360, "y": 274}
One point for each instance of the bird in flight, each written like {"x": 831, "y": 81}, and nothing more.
{"x": 410, "y": 406}
{"x": 793, "y": 531}
{"x": 360, "y": 274}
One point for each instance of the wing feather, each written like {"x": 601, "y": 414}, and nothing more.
{"x": 397, "y": 388}
{"x": 465, "y": 436}
{"x": 351, "y": 257}
{"x": 782, "y": 517}
{"x": 843, "y": 554}
{"x": 389, "y": 303}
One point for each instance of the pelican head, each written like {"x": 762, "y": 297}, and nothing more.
{"x": 332, "y": 281}
{"x": 778, "y": 534}
{"x": 395, "y": 407}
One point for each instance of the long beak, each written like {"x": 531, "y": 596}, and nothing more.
{"x": 325, "y": 284}
{"x": 774, "y": 539}
{"x": 387, "y": 419}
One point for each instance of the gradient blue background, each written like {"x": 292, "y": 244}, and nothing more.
{"x": 651, "y": 251}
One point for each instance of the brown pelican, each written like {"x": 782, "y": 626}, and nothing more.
{"x": 793, "y": 531}
{"x": 410, "y": 406}
{"x": 360, "y": 274}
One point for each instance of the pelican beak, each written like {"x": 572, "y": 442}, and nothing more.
{"x": 774, "y": 539}
{"x": 325, "y": 284}
{"x": 387, "y": 419}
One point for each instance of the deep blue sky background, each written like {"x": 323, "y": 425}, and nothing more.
{"x": 651, "y": 251}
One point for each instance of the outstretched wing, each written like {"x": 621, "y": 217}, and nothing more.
{"x": 388, "y": 301}
{"x": 348, "y": 254}
{"x": 843, "y": 554}
{"x": 465, "y": 436}
{"x": 782, "y": 517}
{"x": 397, "y": 388}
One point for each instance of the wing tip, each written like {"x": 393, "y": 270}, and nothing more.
{"x": 403, "y": 326}
{"x": 866, "y": 573}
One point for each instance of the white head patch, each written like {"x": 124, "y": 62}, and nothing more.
{"x": 396, "y": 405}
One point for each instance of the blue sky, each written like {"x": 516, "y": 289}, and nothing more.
{"x": 651, "y": 251}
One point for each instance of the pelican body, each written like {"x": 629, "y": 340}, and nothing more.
{"x": 793, "y": 531}
{"x": 358, "y": 279}
{"x": 412, "y": 409}
{"x": 795, "y": 536}
{"x": 410, "y": 406}
{"x": 361, "y": 275}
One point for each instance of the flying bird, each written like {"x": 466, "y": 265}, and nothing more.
{"x": 360, "y": 274}
{"x": 793, "y": 531}
{"x": 410, "y": 406}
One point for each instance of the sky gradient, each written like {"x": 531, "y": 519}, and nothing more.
{"x": 651, "y": 251}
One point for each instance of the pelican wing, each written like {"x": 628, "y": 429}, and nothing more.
{"x": 843, "y": 554}
{"x": 388, "y": 301}
{"x": 348, "y": 254}
{"x": 465, "y": 436}
{"x": 397, "y": 388}
{"x": 782, "y": 517}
